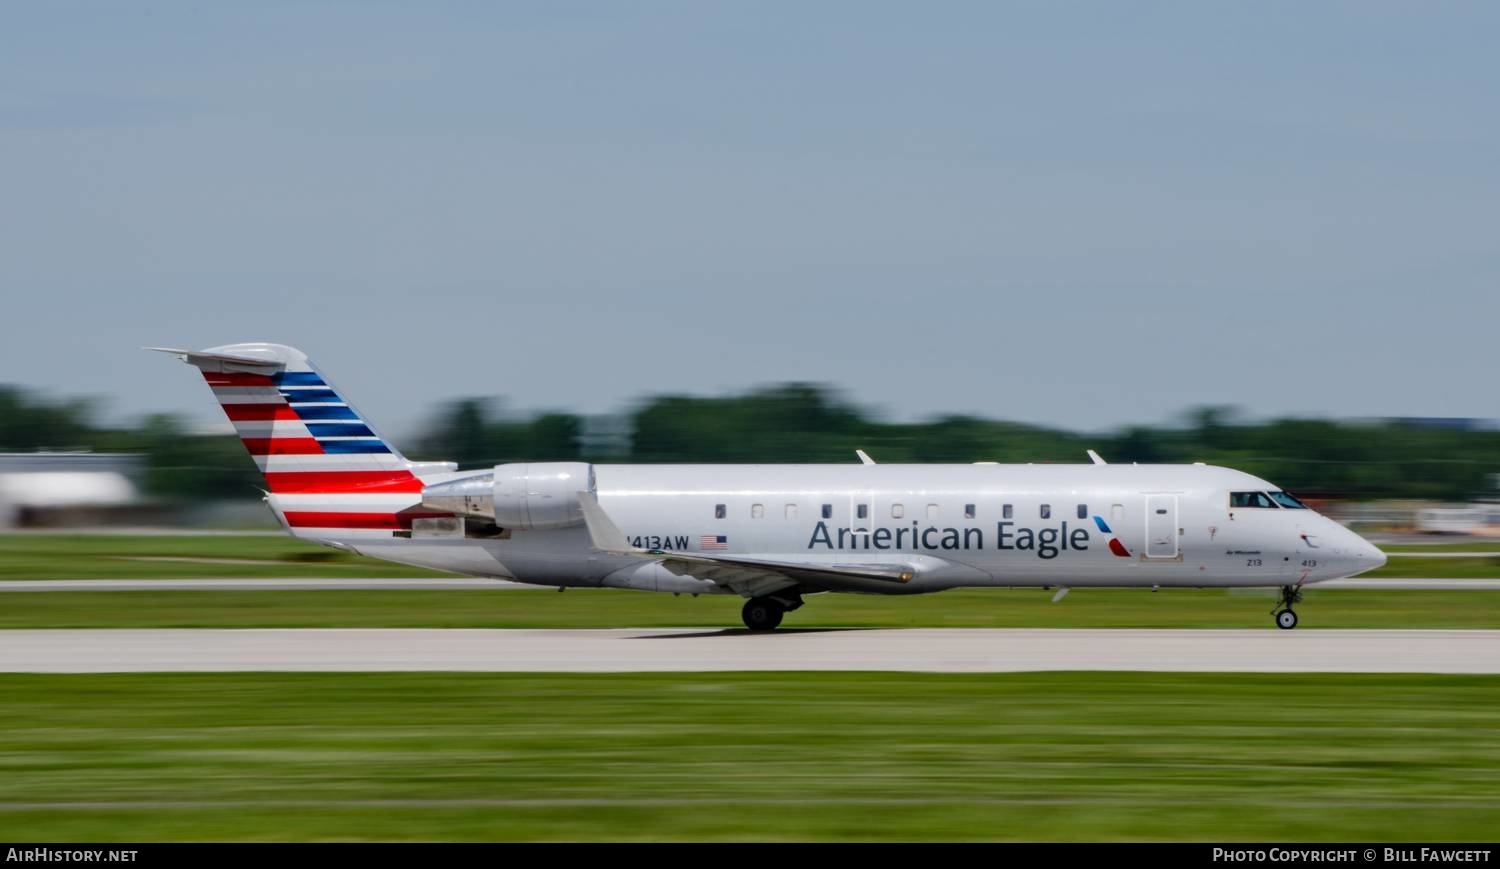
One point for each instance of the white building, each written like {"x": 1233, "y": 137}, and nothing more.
{"x": 36, "y": 483}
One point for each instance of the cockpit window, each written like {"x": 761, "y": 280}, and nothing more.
{"x": 1286, "y": 500}
{"x": 1250, "y": 499}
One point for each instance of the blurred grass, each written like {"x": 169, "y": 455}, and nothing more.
{"x": 608, "y": 608}
{"x": 1439, "y": 568}
{"x": 110, "y": 556}
{"x": 846, "y": 756}
{"x": 1463, "y": 545}
{"x": 106, "y": 556}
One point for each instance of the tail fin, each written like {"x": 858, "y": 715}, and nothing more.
{"x": 305, "y": 437}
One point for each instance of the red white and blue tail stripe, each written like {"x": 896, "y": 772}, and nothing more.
{"x": 327, "y": 470}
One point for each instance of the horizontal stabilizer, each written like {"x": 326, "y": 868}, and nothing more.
{"x": 204, "y": 357}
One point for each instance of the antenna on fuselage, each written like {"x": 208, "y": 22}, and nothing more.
{"x": 864, "y": 457}
{"x": 1097, "y": 460}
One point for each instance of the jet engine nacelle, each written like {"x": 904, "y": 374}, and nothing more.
{"x": 541, "y": 494}
{"x": 525, "y": 496}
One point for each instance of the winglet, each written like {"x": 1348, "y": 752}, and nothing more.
{"x": 605, "y": 535}
{"x": 1095, "y": 456}
{"x": 864, "y": 457}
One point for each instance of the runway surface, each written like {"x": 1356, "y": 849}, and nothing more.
{"x": 457, "y": 583}
{"x": 663, "y": 650}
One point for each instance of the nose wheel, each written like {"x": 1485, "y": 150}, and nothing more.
{"x": 1286, "y": 619}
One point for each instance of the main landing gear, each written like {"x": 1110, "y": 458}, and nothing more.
{"x": 1286, "y": 619}
{"x": 764, "y": 613}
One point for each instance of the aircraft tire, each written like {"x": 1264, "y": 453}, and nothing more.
{"x": 1286, "y": 620}
{"x": 762, "y": 613}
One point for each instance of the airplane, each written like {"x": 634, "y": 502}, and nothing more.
{"x": 771, "y": 534}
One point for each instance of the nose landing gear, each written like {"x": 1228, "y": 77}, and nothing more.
{"x": 1286, "y": 619}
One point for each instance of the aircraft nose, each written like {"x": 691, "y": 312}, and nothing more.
{"x": 1361, "y": 553}
{"x": 1367, "y": 558}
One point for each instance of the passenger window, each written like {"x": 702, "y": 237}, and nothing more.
{"x": 791, "y": 511}
{"x": 1116, "y": 512}
{"x": 1239, "y": 500}
{"x": 827, "y": 511}
{"x": 719, "y": 511}
{"x": 968, "y": 511}
{"x": 1007, "y": 512}
{"x": 757, "y": 511}
{"x": 897, "y": 511}
{"x": 862, "y": 511}
{"x": 1083, "y": 511}
{"x": 1046, "y": 511}
{"x": 934, "y": 512}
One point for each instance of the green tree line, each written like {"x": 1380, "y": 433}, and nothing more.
{"x": 801, "y": 422}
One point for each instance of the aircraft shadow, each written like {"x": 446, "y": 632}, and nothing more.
{"x": 744, "y": 632}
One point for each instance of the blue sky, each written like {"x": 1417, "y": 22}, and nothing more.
{"x": 1076, "y": 214}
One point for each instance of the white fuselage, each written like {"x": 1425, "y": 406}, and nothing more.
{"x": 956, "y": 525}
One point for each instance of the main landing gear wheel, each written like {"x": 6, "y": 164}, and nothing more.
{"x": 1285, "y": 618}
{"x": 762, "y": 613}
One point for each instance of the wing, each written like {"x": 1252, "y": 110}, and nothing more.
{"x": 748, "y": 572}
{"x": 748, "y": 575}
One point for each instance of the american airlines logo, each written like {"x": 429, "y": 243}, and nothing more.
{"x": 1115, "y": 545}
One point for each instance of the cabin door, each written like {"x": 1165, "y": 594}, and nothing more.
{"x": 1161, "y": 526}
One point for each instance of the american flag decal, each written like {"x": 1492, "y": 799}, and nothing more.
{"x": 707, "y": 542}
